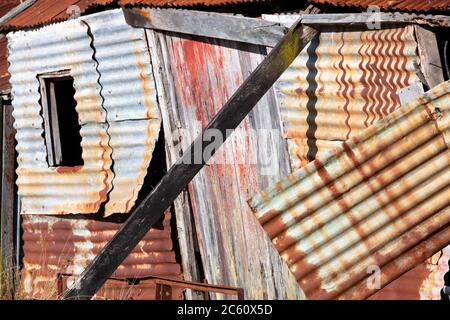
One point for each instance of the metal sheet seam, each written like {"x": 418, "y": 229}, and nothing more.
{"x": 102, "y": 104}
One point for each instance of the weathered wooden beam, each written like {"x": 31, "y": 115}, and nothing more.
{"x": 430, "y": 59}
{"x": 7, "y": 188}
{"x": 207, "y": 24}
{"x": 361, "y": 19}
{"x": 184, "y": 170}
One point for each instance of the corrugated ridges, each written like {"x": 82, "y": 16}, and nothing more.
{"x": 117, "y": 107}
{"x": 379, "y": 199}
{"x": 55, "y": 245}
{"x": 129, "y": 93}
{"x": 44, "y": 190}
{"x": 408, "y": 5}
{"x": 343, "y": 82}
{"x": 50, "y": 11}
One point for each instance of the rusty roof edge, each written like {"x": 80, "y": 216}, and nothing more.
{"x": 16, "y": 10}
{"x": 363, "y": 18}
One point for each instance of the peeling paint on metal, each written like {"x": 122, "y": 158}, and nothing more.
{"x": 129, "y": 93}
{"x": 379, "y": 199}
{"x": 343, "y": 82}
{"x": 57, "y": 245}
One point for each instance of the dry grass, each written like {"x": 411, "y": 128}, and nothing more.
{"x": 10, "y": 282}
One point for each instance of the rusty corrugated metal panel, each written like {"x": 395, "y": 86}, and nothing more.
{"x": 54, "y": 245}
{"x": 180, "y": 3}
{"x": 45, "y": 190}
{"x": 129, "y": 93}
{"x": 423, "y": 282}
{"x": 5, "y": 7}
{"x": 343, "y": 82}
{"x": 46, "y": 11}
{"x": 380, "y": 199}
{"x": 409, "y": 5}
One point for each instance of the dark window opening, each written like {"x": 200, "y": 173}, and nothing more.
{"x": 61, "y": 126}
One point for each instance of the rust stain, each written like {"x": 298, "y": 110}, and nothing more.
{"x": 57, "y": 245}
{"x": 350, "y": 81}
{"x": 376, "y": 200}
{"x": 411, "y": 5}
{"x": 68, "y": 169}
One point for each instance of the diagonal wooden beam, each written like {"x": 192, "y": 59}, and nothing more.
{"x": 183, "y": 171}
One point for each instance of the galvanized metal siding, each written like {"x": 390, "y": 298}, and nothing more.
{"x": 380, "y": 199}
{"x": 409, "y": 5}
{"x": 128, "y": 90}
{"x": 56, "y": 245}
{"x": 45, "y": 190}
{"x": 235, "y": 251}
{"x": 117, "y": 107}
{"x": 343, "y": 82}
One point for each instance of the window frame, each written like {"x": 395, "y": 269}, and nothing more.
{"x": 50, "y": 115}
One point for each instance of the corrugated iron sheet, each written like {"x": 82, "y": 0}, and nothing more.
{"x": 380, "y": 199}
{"x": 45, "y": 190}
{"x": 234, "y": 249}
{"x": 409, "y": 5}
{"x": 342, "y": 83}
{"x": 7, "y": 5}
{"x": 423, "y": 282}
{"x": 55, "y": 245}
{"x": 129, "y": 93}
{"x": 47, "y": 11}
{"x": 116, "y": 100}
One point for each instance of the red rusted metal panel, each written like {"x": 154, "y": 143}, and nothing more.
{"x": 409, "y": 5}
{"x": 424, "y": 282}
{"x": 378, "y": 200}
{"x": 5, "y": 7}
{"x": 55, "y": 246}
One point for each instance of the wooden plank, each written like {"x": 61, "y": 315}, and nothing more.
{"x": 184, "y": 170}
{"x": 207, "y": 24}
{"x": 430, "y": 60}
{"x": 410, "y": 93}
{"x": 361, "y": 19}
{"x": 8, "y": 188}
{"x": 186, "y": 233}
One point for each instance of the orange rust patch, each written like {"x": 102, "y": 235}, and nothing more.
{"x": 68, "y": 169}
